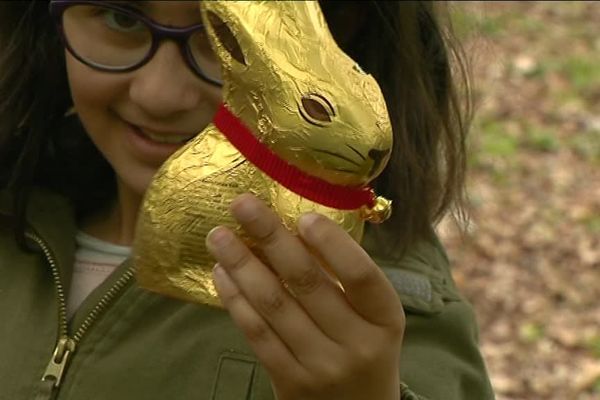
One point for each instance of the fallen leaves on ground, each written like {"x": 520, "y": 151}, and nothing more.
{"x": 530, "y": 260}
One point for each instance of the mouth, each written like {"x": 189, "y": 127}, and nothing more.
{"x": 154, "y": 146}
{"x": 339, "y": 162}
{"x": 162, "y": 137}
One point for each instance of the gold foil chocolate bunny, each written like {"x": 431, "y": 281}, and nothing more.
{"x": 302, "y": 127}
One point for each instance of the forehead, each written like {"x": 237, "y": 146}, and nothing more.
{"x": 172, "y": 13}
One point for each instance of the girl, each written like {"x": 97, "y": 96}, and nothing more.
{"x": 82, "y": 131}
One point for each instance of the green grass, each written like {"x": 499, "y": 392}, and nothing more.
{"x": 541, "y": 139}
{"x": 530, "y": 25}
{"x": 594, "y": 346}
{"x": 593, "y": 225}
{"x": 466, "y": 23}
{"x": 493, "y": 150}
{"x": 531, "y": 332}
{"x": 582, "y": 73}
{"x": 495, "y": 141}
{"x": 596, "y": 386}
{"x": 586, "y": 145}
{"x": 493, "y": 26}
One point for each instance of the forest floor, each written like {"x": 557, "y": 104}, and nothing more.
{"x": 530, "y": 258}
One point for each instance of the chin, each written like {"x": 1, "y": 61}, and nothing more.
{"x": 135, "y": 185}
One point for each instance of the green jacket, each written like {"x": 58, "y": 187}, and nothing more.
{"x": 128, "y": 343}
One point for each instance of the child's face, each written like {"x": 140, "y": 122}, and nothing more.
{"x": 131, "y": 116}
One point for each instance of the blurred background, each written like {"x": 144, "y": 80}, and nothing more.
{"x": 530, "y": 262}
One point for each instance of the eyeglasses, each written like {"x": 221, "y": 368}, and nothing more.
{"x": 115, "y": 38}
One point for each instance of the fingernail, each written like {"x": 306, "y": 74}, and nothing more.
{"x": 218, "y": 236}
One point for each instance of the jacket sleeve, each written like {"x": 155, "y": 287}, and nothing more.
{"x": 440, "y": 358}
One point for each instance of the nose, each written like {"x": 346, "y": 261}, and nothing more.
{"x": 165, "y": 85}
{"x": 377, "y": 156}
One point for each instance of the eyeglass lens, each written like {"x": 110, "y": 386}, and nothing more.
{"x": 112, "y": 40}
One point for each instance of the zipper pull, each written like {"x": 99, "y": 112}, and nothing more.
{"x": 58, "y": 362}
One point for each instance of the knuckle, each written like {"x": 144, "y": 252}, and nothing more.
{"x": 365, "y": 355}
{"x": 398, "y": 324}
{"x": 330, "y": 375}
{"x": 302, "y": 384}
{"x": 272, "y": 303}
{"x": 305, "y": 282}
{"x": 240, "y": 257}
{"x": 268, "y": 235}
{"x": 231, "y": 298}
{"x": 257, "y": 331}
{"x": 361, "y": 275}
{"x": 319, "y": 231}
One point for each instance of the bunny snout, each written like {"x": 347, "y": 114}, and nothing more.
{"x": 378, "y": 156}
{"x": 348, "y": 159}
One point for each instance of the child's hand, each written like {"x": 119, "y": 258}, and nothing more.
{"x": 320, "y": 343}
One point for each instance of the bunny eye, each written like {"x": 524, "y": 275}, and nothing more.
{"x": 316, "y": 109}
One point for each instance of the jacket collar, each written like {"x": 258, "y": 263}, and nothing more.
{"x": 51, "y": 218}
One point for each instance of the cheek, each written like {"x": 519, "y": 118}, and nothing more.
{"x": 94, "y": 94}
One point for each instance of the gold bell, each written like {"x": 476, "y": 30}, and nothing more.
{"x": 380, "y": 212}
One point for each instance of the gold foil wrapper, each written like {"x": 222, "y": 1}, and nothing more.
{"x": 288, "y": 81}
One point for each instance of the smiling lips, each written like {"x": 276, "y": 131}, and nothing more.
{"x": 164, "y": 137}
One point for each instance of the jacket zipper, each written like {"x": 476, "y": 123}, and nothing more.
{"x": 66, "y": 345}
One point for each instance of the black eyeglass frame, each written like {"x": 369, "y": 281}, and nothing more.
{"x": 158, "y": 32}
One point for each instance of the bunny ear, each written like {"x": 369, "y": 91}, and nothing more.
{"x": 225, "y": 37}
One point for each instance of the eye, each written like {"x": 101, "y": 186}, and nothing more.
{"x": 316, "y": 109}
{"x": 122, "y": 22}
{"x": 226, "y": 37}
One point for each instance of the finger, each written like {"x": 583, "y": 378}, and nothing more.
{"x": 265, "y": 293}
{"x": 365, "y": 285}
{"x": 272, "y": 353}
{"x": 289, "y": 257}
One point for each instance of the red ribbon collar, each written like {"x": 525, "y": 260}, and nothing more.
{"x": 289, "y": 176}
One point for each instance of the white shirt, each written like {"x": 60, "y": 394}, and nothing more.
{"x": 95, "y": 260}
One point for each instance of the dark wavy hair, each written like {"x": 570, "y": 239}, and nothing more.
{"x": 404, "y": 45}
